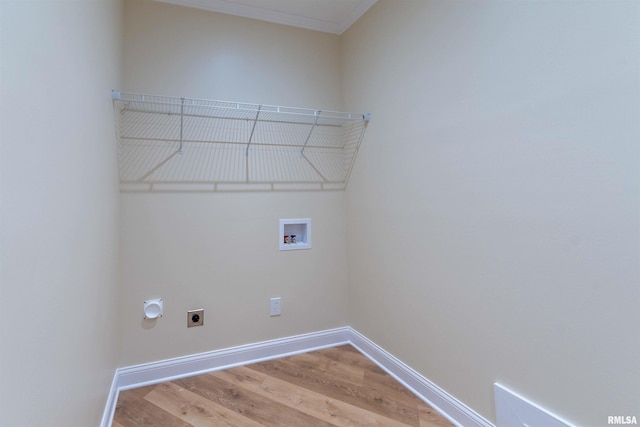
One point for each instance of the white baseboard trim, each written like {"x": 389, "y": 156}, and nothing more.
{"x": 450, "y": 407}
{"x": 186, "y": 366}
{"x": 513, "y": 410}
{"x": 112, "y": 400}
{"x": 180, "y": 367}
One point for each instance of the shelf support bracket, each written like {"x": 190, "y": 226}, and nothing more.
{"x": 315, "y": 122}
{"x": 181, "y": 123}
{"x": 253, "y": 129}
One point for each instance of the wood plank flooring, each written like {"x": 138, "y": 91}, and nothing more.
{"x": 331, "y": 387}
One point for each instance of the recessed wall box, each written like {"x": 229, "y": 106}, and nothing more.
{"x": 295, "y": 234}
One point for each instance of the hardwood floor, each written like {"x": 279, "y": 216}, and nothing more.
{"x": 331, "y": 387}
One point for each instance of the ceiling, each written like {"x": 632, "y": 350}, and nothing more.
{"x": 330, "y": 16}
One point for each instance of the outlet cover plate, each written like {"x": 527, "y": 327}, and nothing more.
{"x": 275, "y": 307}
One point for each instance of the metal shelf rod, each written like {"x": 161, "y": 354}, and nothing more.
{"x": 208, "y": 141}
{"x": 138, "y": 181}
{"x": 253, "y": 129}
{"x": 202, "y": 103}
{"x": 181, "y": 122}
{"x": 310, "y": 132}
{"x": 203, "y": 116}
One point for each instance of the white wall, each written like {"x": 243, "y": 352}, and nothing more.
{"x": 220, "y": 251}
{"x": 178, "y": 51}
{"x": 493, "y": 214}
{"x": 59, "y": 210}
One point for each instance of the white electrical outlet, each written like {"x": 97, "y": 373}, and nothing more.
{"x": 276, "y": 306}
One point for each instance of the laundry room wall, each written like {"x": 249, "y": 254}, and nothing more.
{"x": 219, "y": 251}
{"x": 58, "y": 210}
{"x": 493, "y": 215}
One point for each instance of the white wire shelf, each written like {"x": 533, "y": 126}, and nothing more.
{"x": 185, "y": 144}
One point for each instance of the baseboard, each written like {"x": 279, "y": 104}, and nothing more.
{"x": 180, "y": 367}
{"x": 513, "y": 410}
{"x": 112, "y": 400}
{"x": 450, "y": 407}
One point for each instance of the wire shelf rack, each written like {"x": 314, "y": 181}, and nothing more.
{"x": 185, "y": 144}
